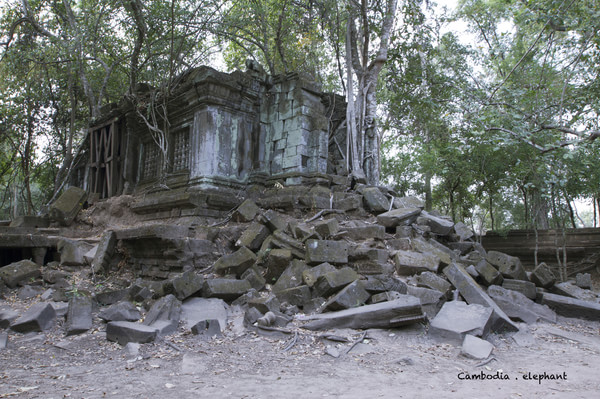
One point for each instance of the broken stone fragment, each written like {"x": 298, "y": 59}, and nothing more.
{"x": 273, "y": 220}
{"x": 319, "y": 251}
{"x": 121, "y": 311}
{"x": 571, "y": 307}
{"x": 542, "y": 276}
{"x": 279, "y": 239}
{"x": 488, "y": 273}
{"x": 326, "y": 228}
{"x": 375, "y": 201}
{"x": 351, "y": 296}
{"x": 105, "y": 252}
{"x": 365, "y": 232}
{"x": 124, "y": 332}
{"x": 79, "y": 315}
{"x": 265, "y": 304}
{"x": 375, "y": 284}
{"x": 438, "y": 225}
{"x": 396, "y": 217}
{"x": 526, "y": 288}
{"x": 254, "y": 236}
{"x": 433, "y": 247}
{"x": 72, "y": 252}
{"x": 254, "y": 277}
{"x": 277, "y": 260}
{"x": 110, "y": 297}
{"x": 509, "y": 266}
{"x": 225, "y": 288}
{"x": 194, "y": 310}
{"x": 207, "y": 328}
{"x": 298, "y": 296}
{"x": 21, "y": 271}
{"x": 456, "y": 319}
{"x": 39, "y": 317}
{"x": 385, "y": 296}
{"x": 518, "y": 307}
{"x": 408, "y": 202}
{"x": 409, "y": 262}
{"x": 7, "y": 316}
{"x": 463, "y": 231}
{"x": 476, "y": 348}
{"x": 235, "y": 263}
{"x": 185, "y": 285}
{"x": 332, "y": 282}
{"x": 583, "y": 280}
{"x": 291, "y": 277}
{"x": 347, "y": 201}
{"x": 310, "y": 276}
{"x": 246, "y": 212}
{"x": 67, "y": 206}
{"x": 166, "y": 308}
{"x": 391, "y": 314}
{"x": 431, "y": 300}
{"x": 3, "y": 340}
{"x": 571, "y": 290}
{"x": 434, "y": 282}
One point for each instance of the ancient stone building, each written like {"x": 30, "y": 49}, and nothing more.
{"x": 224, "y": 131}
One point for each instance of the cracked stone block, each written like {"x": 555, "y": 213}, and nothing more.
{"x": 273, "y": 220}
{"x": 409, "y": 262}
{"x": 120, "y": 311}
{"x": 571, "y": 307}
{"x": 518, "y": 307}
{"x": 235, "y": 263}
{"x": 298, "y": 296}
{"x": 509, "y": 266}
{"x": 431, "y": 300}
{"x": 79, "y": 315}
{"x": 21, "y": 271}
{"x": 67, "y": 206}
{"x": 331, "y": 282}
{"x": 583, "y": 280}
{"x": 397, "y": 217}
{"x": 456, "y": 319}
{"x": 72, "y": 252}
{"x": 255, "y": 278}
{"x": 194, "y": 310}
{"x": 266, "y": 304}
{"x": 488, "y": 273}
{"x": 476, "y": 348}
{"x": 351, "y": 296}
{"x": 320, "y": 251}
{"x": 124, "y": 332}
{"x": 433, "y": 247}
{"x": 381, "y": 283}
{"x": 7, "y": 316}
{"x": 104, "y": 252}
{"x": 434, "y": 282}
{"x": 166, "y": 308}
{"x": 326, "y": 228}
{"x": 225, "y": 288}
{"x": 254, "y": 236}
{"x": 246, "y": 212}
{"x": 207, "y": 328}
{"x": 438, "y": 225}
{"x": 311, "y": 275}
{"x": 463, "y": 231}
{"x": 361, "y": 233}
{"x": 569, "y": 289}
{"x": 277, "y": 261}
{"x": 375, "y": 201}
{"x": 526, "y": 288}
{"x": 185, "y": 285}
{"x": 39, "y": 317}
{"x": 291, "y": 277}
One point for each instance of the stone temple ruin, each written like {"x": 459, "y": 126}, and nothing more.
{"x": 252, "y": 208}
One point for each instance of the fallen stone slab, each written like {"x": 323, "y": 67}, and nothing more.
{"x": 67, "y": 206}
{"x": 276, "y": 262}
{"x": 273, "y": 220}
{"x": 254, "y": 236}
{"x": 110, "y": 297}
{"x": 17, "y": 272}
{"x": 431, "y": 300}
{"x": 279, "y": 239}
{"x": 166, "y": 308}
{"x": 409, "y": 262}
{"x": 408, "y": 202}
{"x": 235, "y": 263}
{"x": 326, "y": 228}
{"x": 30, "y": 221}
{"x": 456, "y": 319}
{"x": 39, "y": 317}
{"x": 438, "y": 225}
{"x": 489, "y": 274}
{"x": 194, "y": 310}
{"x": 265, "y": 304}
{"x": 542, "y": 276}
{"x": 320, "y": 251}
{"x": 569, "y": 289}
{"x": 375, "y": 201}
{"x": 331, "y": 282}
{"x": 351, "y": 296}
{"x": 365, "y": 232}
{"x": 385, "y": 296}
{"x": 391, "y": 314}
{"x": 433, "y": 247}
{"x": 29, "y": 291}
{"x": 311, "y": 275}
{"x": 474, "y": 294}
{"x": 104, "y": 252}
{"x": 255, "y": 278}
{"x": 434, "y": 282}
{"x": 120, "y": 311}
{"x": 463, "y": 231}
{"x": 79, "y": 315}
{"x": 583, "y": 280}
{"x": 124, "y": 332}
{"x": 246, "y": 212}
{"x": 476, "y": 348}
{"x": 518, "y": 306}
{"x": 397, "y": 217}
{"x": 225, "y": 288}
{"x": 291, "y": 277}
{"x": 207, "y": 328}
{"x": 298, "y": 296}
{"x": 72, "y": 252}
{"x": 186, "y": 285}
{"x": 375, "y": 284}
{"x": 509, "y": 266}
{"x": 7, "y": 316}
{"x": 526, "y": 288}
{"x": 571, "y": 307}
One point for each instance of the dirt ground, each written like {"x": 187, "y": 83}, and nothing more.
{"x": 400, "y": 363}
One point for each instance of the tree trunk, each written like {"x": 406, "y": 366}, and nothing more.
{"x": 492, "y": 211}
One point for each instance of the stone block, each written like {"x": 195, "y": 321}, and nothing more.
{"x": 351, "y": 296}
{"x": 167, "y": 308}
{"x": 246, "y": 212}
{"x": 254, "y": 277}
{"x": 7, "y": 316}
{"x": 433, "y": 247}
{"x": 194, "y": 310}
{"x": 375, "y": 201}
{"x": 463, "y": 231}
{"x": 291, "y": 277}
{"x": 273, "y": 220}
{"x": 298, "y": 296}
{"x": 79, "y": 315}
{"x": 265, "y": 304}
{"x": 438, "y": 225}
{"x": 235, "y": 263}
{"x": 311, "y": 275}
{"x": 509, "y": 266}
{"x": 67, "y": 206}
{"x": 39, "y": 317}
{"x": 18, "y": 272}
{"x": 225, "y": 288}
{"x": 434, "y": 282}
{"x": 408, "y": 202}
{"x": 279, "y": 239}
{"x": 391, "y": 314}
{"x": 326, "y": 228}
{"x": 489, "y": 274}
{"x": 254, "y": 236}
{"x": 186, "y": 285}
{"x": 28, "y": 292}
{"x": 571, "y": 307}
{"x": 320, "y": 251}
{"x": 518, "y": 307}
{"x": 404, "y": 232}
{"x": 362, "y": 233}
{"x": 30, "y": 221}
{"x": 409, "y": 262}
{"x": 526, "y": 288}
{"x": 347, "y": 201}
{"x": 120, "y": 311}
{"x": 571, "y": 290}
{"x": 124, "y": 332}
{"x": 474, "y": 294}
{"x": 385, "y": 296}
{"x": 476, "y": 348}
{"x": 456, "y": 319}
{"x": 331, "y": 282}
{"x": 72, "y": 252}
{"x": 397, "y": 217}
{"x": 104, "y": 252}
{"x": 277, "y": 261}
{"x": 207, "y": 328}
{"x": 381, "y": 283}
{"x": 583, "y": 280}
{"x": 303, "y": 231}
{"x": 110, "y": 297}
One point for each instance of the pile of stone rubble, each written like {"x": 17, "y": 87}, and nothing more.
{"x": 367, "y": 260}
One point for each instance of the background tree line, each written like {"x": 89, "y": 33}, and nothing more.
{"x": 501, "y": 132}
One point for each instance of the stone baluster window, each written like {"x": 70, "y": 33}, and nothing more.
{"x": 181, "y": 151}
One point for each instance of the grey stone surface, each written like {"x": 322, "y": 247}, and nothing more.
{"x": 3, "y": 340}
{"x": 351, "y": 296}
{"x": 457, "y": 319}
{"x": 39, "y": 317}
{"x": 509, "y": 266}
{"x": 255, "y": 278}
{"x": 225, "y": 288}
{"x": 489, "y": 274}
{"x": 7, "y": 316}
{"x": 104, "y": 252}
{"x": 332, "y": 282}
{"x": 166, "y": 308}
{"x": 79, "y": 315}
{"x": 396, "y": 217}
{"x": 235, "y": 263}
{"x": 319, "y": 251}
{"x": 298, "y": 296}
{"x": 207, "y": 328}
{"x": 476, "y": 348}
{"x": 437, "y": 224}
{"x": 408, "y": 202}
{"x": 124, "y": 332}
{"x": 265, "y": 304}
{"x": 326, "y": 228}
{"x": 380, "y": 283}
{"x": 583, "y": 280}
{"x": 571, "y": 307}
{"x": 385, "y": 296}
{"x": 21, "y": 271}
{"x": 246, "y": 212}
{"x": 463, "y": 231}
{"x": 434, "y": 282}
{"x": 474, "y": 294}
{"x": 120, "y": 311}
{"x": 431, "y": 300}
{"x": 291, "y": 277}
{"x": 110, "y": 297}
{"x": 569, "y": 289}
{"x": 277, "y": 260}
{"x": 72, "y": 251}
{"x": 254, "y": 236}
{"x": 187, "y": 284}
{"x": 518, "y": 307}
{"x": 67, "y": 206}
{"x": 29, "y": 291}
{"x": 375, "y": 201}
{"x": 400, "y": 312}
{"x": 360, "y": 232}
{"x": 409, "y": 262}
{"x": 526, "y": 288}
{"x": 311, "y": 275}
{"x": 273, "y": 220}
{"x": 194, "y": 310}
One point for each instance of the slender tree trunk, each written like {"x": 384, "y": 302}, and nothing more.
{"x": 492, "y": 211}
